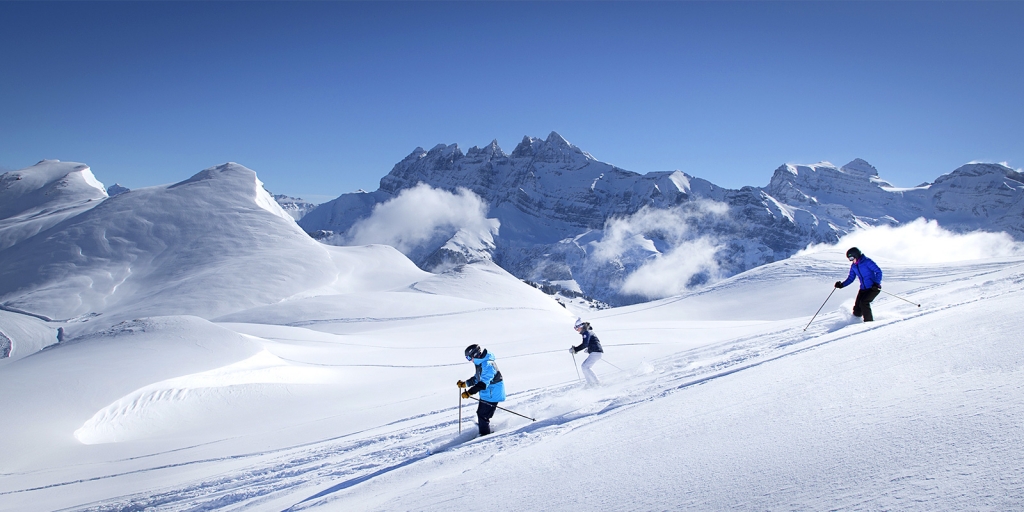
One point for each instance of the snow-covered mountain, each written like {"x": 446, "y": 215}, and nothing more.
{"x": 568, "y": 218}
{"x": 129, "y": 253}
{"x": 39, "y": 197}
{"x": 294, "y": 206}
{"x": 77, "y": 260}
{"x": 117, "y": 189}
{"x": 972, "y": 197}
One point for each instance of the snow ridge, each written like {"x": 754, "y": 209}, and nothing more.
{"x": 35, "y": 199}
{"x": 178, "y": 249}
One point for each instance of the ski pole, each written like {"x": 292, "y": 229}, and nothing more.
{"x": 504, "y": 409}
{"x": 460, "y": 412}
{"x": 900, "y": 298}
{"x": 613, "y": 366}
{"x": 574, "y": 365}
{"x": 822, "y": 305}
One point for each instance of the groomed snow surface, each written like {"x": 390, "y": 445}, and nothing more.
{"x": 715, "y": 400}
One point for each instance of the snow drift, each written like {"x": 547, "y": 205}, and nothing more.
{"x": 198, "y": 247}
{"x": 35, "y": 199}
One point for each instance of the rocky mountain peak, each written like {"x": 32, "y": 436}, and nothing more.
{"x": 554, "y": 149}
{"x": 526, "y": 148}
{"x": 557, "y": 140}
{"x": 490, "y": 150}
{"x": 980, "y": 170}
{"x": 859, "y": 167}
{"x": 117, "y": 189}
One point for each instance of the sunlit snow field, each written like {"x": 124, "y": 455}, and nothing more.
{"x": 275, "y": 373}
{"x": 716, "y": 399}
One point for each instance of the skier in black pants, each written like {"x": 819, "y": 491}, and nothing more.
{"x": 870, "y": 282}
{"x": 487, "y": 381}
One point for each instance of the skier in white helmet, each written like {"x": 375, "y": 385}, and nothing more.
{"x": 593, "y": 347}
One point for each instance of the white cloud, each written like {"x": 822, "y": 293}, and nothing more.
{"x": 923, "y": 241}
{"x": 419, "y": 215}
{"x": 624, "y": 234}
{"x": 667, "y": 271}
{"x": 670, "y": 273}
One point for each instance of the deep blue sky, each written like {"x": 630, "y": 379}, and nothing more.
{"x": 323, "y": 98}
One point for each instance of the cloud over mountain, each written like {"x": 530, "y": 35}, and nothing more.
{"x": 571, "y": 220}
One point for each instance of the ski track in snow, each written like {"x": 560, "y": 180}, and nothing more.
{"x": 309, "y": 473}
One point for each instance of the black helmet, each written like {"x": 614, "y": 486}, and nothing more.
{"x": 854, "y": 253}
{"x": 474, "y": 352}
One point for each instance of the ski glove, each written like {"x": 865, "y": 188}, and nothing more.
{"x": 461, "y": 384}
{"x": 465, "y": 394}
{"x": 839, "y": 284}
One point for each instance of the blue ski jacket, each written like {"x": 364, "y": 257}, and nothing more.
{"x": 865, "y": 270}
{"x": 590, "y": 343}
{"x": 488, "y": 376}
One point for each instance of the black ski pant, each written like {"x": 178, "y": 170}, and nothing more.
{"x": 862, "y": 306}
{"x": 484, "y": 413}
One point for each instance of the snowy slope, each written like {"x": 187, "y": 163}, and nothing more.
{"x": 198, "y": 247}
{"x": 208, "y": 246}
{"x": 342, "y": 398}
{"x": 918, "y": 413}
{"x": 39, "y": 197}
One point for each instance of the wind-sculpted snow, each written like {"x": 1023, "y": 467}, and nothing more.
{"x": 6, "y": 345}
{"x": 207, "y": 246}
{"x": 549, "y": 194}
{"x": 58, "y": 389}
{"x": 25, "y": 335}
{"x": 162, "y": 408}
{"x": 34, "y": 199}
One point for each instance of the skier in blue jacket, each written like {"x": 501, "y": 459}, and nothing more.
{"x": 870, "y": 277}
{"x": 487, "y": 381}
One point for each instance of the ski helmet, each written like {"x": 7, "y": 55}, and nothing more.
{"x": 474, "y": 351}
{"x": 578, "y": 324}
{"x": 853, "y": 253}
